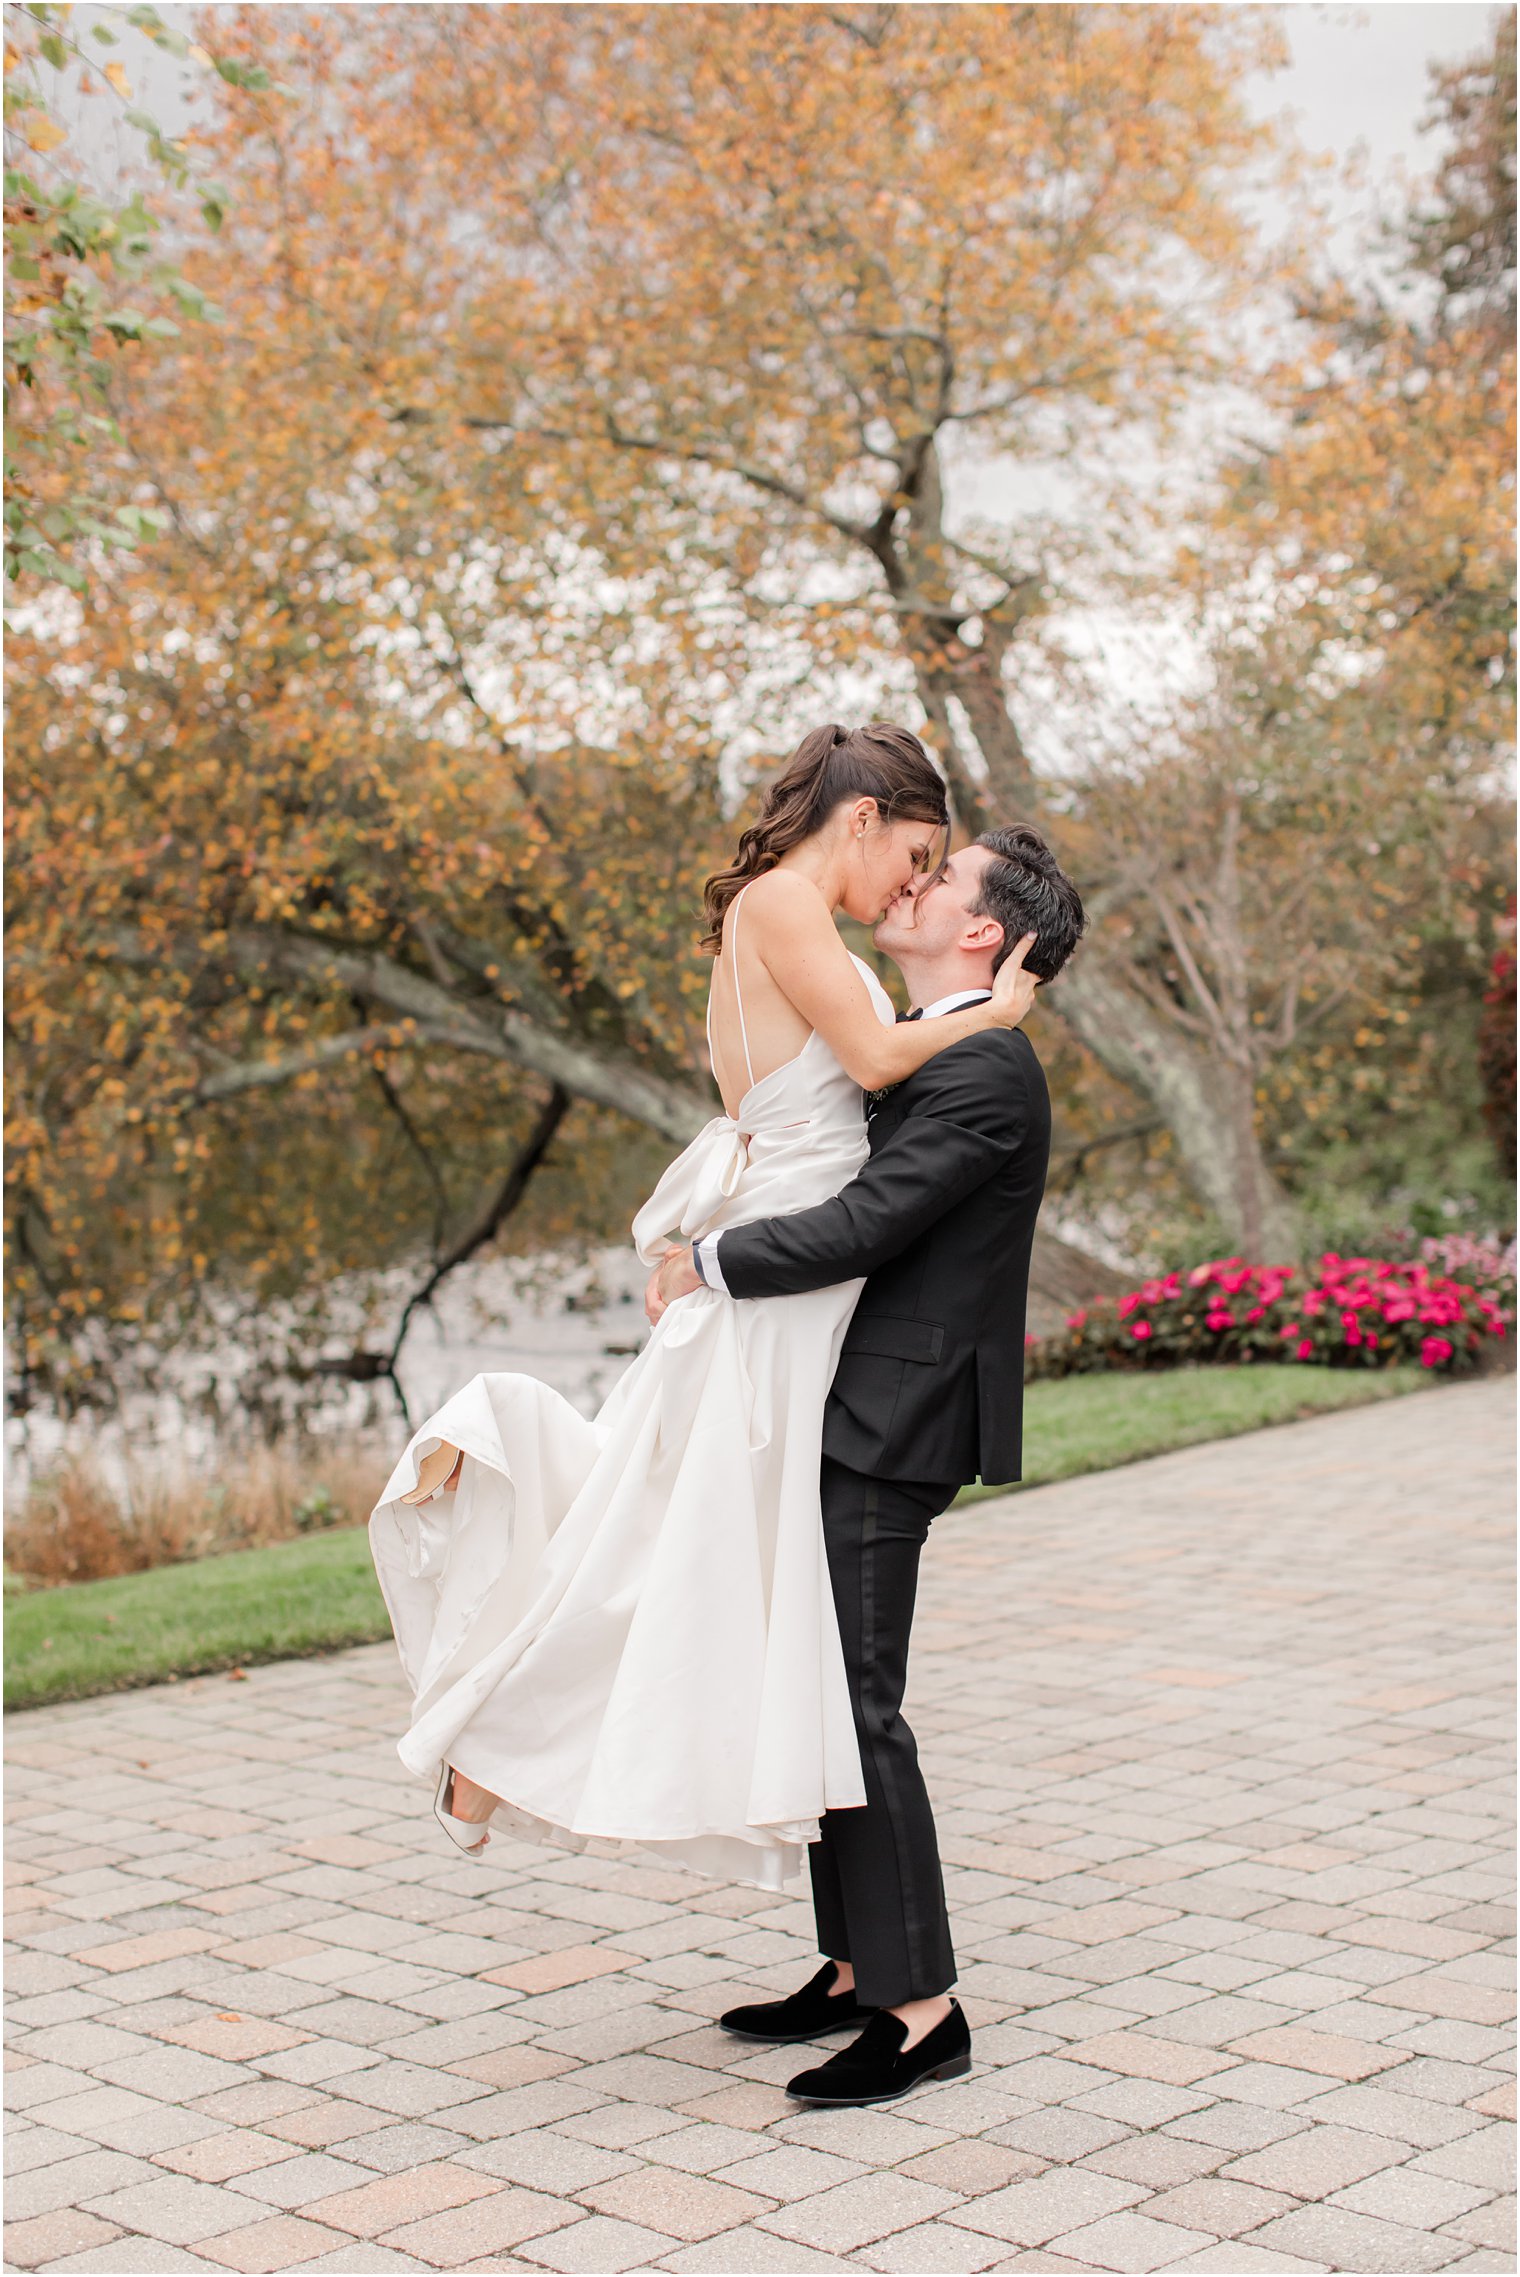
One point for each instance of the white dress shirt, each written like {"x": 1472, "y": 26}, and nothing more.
{"x": 705, "y": 1251}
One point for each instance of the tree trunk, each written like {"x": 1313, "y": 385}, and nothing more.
{"x": 1206, "y": 1103}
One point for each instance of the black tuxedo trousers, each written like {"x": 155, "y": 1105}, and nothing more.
{"x": 878, "y": 1894}
{"x": 928, "y": 1394}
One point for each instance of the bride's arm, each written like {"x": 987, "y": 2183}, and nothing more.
{"x": 790, "y": 927}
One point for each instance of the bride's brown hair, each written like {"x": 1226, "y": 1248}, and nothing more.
{"x": 828, "y": 767}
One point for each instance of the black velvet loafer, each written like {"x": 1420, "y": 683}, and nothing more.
{"x": 805, "y": 2015}
{"x": 876, "y": 2068}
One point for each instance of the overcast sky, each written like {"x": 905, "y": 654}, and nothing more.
{"x": 1359, "y": 75}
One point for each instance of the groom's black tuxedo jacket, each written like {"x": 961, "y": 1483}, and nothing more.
{"x": 940, "y": 1221}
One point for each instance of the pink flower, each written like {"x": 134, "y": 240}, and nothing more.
{"x": 1141, "y": 1329}
{"x": 1433, "y": 1351}
{"x": 1305, "y": 1350}
{"x": 1219, "y": 1318}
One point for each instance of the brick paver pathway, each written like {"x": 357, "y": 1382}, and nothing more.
{"x": 1219, "y": 1747}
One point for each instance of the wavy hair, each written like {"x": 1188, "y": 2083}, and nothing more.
{"x": 829, "y": 766}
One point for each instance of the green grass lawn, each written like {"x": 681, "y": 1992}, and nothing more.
{"x": 1094, "y": 1423}
{"x": 319, "y": 1594}
{"x": 313, "y": 1595}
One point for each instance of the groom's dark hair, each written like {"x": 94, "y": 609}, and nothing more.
{"x": 1025, "y": 888}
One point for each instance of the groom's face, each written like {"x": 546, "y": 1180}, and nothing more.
{"x": 932, "y": 917}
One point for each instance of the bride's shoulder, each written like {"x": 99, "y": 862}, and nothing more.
{"x": 782, "y": 900}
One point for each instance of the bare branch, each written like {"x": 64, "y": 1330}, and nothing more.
{"x": 760, "y": 476}
{"x": 262, "y": 1074}
{"x": 591, "y": 1072}
{"x": 488, "y": 1220}
{"x": 1228, "y": 1043}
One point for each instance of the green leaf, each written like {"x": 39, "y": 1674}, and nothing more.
{"x": 250, "y": 75}
{"x": 52, "y": 48}
{"x": 104, "y": 34}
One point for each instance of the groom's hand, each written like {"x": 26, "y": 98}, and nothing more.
{"x": 676, "y": 1276}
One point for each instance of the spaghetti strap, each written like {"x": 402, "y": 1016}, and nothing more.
{"x": 733, "y": 943}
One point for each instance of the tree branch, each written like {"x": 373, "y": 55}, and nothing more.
{"x": 760, "y": 476}
{"x": 489, "y": 1220}
{"x": 605, "y": 1078}
{"x": 261, "y": 1074}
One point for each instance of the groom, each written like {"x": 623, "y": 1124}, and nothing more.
{"x": 927, "y": 1396}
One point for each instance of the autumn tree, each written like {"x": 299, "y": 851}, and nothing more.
{"x": 764, "y": 292}
{"x": 794, "y": 280}
{"x": 597, "y": 390}
{"x": 1315, "y": 815}
{"x": 85, "y": 279}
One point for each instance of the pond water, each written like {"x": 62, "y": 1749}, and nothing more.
{"x": 573, "y": 1323}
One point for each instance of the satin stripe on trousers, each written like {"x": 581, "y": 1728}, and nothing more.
{"x": 878, "y": 1894}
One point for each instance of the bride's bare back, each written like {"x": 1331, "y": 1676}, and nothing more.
{"x": 753, "y": 1027}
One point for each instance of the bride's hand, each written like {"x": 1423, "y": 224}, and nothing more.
{"x": 1013, "y": 989}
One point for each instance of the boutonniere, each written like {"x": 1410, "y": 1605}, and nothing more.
{"x": 875, "y": 1098}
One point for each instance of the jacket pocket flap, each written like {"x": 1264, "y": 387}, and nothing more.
{"x": 894, "y": 1339}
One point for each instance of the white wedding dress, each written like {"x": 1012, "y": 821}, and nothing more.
{"x": 624, "y": 1627}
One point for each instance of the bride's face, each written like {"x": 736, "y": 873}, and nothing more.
{"x": 882, "y": 859}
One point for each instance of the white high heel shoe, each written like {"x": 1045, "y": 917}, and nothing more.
{"x": 467, "y": 1834}
{"x": 431, "y": 1481}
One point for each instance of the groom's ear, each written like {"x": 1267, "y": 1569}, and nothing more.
{"x": 984, "y": 932}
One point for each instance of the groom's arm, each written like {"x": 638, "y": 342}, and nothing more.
{"x": 970, "y": 1111}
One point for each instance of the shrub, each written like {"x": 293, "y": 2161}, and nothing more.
{"x": 77, "y": 1522}
{"x": 1350, "y": 1312}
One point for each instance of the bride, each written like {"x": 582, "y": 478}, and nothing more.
{"x": 622, "y": 1629}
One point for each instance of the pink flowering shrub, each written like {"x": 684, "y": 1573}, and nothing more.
{"x": 1489, "y": 1269}
{"x": 1347, "y": 1312}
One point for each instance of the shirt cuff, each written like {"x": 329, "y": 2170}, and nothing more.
{"x": 704, "y": 1256}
